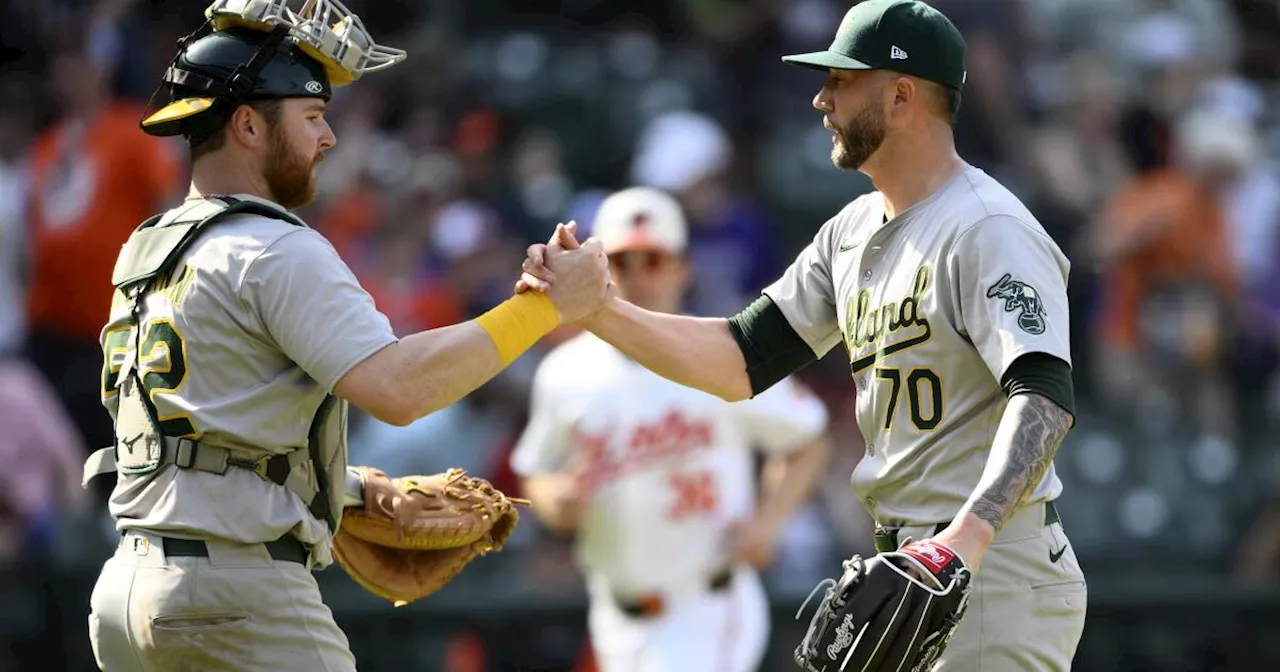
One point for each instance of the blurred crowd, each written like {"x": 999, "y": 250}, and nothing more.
{"x": 1142, "y": 133}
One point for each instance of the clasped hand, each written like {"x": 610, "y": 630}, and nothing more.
{"x": 574, "y": 276}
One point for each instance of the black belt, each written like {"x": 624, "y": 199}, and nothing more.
{"x": 887, "y": 537}
{"x": 286, "y": 549}
{"x": 652, "y": 605}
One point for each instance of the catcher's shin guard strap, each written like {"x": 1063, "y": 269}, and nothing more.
{"x": 519, "y": 322}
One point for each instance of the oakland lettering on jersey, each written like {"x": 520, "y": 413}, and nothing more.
{"x": 867, "y": 327}
{"x": 176, "y": 285}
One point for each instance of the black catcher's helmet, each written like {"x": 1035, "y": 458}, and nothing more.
{"x": 260, "y": 49}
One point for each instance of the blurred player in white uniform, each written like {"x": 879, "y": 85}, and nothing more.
{"x": 658, "y": 480}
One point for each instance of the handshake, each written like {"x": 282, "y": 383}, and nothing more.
{"x": 574, "y": 276}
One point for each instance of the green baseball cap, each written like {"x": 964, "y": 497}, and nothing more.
{"x": 906, "y": 36}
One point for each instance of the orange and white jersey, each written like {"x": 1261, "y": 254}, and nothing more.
{"x": 666, "y": 468}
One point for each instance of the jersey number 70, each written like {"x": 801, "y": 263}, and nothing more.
{"x": 924, "y": 396}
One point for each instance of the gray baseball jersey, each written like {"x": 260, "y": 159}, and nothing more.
{"x": 259, "y": 322}
{"x": 932, "y": 306}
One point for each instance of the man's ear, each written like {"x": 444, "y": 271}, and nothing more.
{"x": 904, "y": 91}
{"x": 247, "y": 127}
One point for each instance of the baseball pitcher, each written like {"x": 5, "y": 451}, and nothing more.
{"x": 658, "y": 480}
{"x": 236, "y": 339}
{"x": 950, "y": 300}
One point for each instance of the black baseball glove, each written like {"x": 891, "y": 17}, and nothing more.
{"x": 894, "y": 612}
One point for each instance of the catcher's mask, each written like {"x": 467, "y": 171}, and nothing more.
{"x": 251, "y": 50}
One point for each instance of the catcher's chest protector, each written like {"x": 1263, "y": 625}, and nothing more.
{"x": 151, "y": 254}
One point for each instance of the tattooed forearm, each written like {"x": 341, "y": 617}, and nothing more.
{"x": 1028, "y": 437}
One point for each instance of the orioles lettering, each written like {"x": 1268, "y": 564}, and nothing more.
{"x": 673, "y": 434}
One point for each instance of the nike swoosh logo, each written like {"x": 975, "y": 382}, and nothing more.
{"x": 845, "y": 247}
{"x": 1054, "y": 557}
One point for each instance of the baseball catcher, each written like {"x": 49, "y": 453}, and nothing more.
{"x": 237, "y": 342}
{"x": 414, "y": 534}
{"x": 895, "y": 611}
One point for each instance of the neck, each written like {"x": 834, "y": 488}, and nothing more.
{"x": 912, "y": 166}
{"x": 219, "y": 173}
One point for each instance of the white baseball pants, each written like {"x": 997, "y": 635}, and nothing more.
{"x": 724, "y": 631}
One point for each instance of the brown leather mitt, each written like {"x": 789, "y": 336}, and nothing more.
{"x": 416, "y": 533}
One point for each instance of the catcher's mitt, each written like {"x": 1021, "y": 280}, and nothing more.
{"x": 895, "y": 611}
{"x": 416, "y": 533}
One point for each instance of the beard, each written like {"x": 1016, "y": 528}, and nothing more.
{"x": 289, "y": 174}
{"x": 860, "y": 138}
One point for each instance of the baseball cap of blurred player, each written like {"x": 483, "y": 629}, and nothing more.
{"x": 906, "y": 36}
{"x": 641, "y": 219}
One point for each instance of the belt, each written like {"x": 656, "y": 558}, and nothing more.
{"x": 286, "y": 549}
{"x": 652, "y": 605}
{"x": 887, "y": 537}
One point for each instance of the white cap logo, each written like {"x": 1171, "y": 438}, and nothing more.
{"x": 897, "y": 54}
{"x": 316, "y": 87}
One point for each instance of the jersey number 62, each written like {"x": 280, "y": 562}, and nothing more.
{"x": 163, "y": 368}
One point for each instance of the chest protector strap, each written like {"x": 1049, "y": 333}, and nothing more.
{"x": 151, "y": 254}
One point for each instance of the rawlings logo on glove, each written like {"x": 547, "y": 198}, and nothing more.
{"x": 844, "y": 637}
{"x": 416, "y": 533}
{"x": 895, "y": 611}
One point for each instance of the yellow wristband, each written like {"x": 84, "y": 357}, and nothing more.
{"x": 519, "y": 322}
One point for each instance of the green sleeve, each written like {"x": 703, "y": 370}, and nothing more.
{"x": 1043, "y": 374}
{"x": 772, "y": 348}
